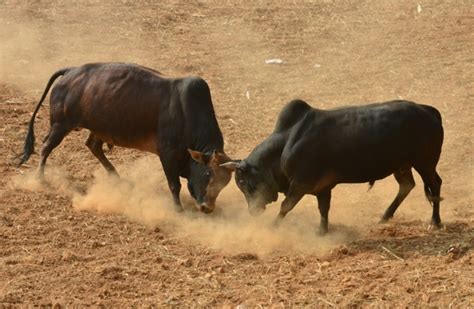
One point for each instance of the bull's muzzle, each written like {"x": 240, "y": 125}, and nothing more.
{"x": 256, "y": 210}
{"x": 206, "y": 208}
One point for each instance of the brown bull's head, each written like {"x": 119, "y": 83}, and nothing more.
{"x": 207, "y": 178}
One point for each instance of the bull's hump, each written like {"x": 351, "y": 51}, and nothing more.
{"x": 195, "y": 84}
{"x": 292, "y": 113}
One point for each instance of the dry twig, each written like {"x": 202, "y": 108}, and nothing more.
{"x": 326, "y": 301}
{"x": 392, "y": 254}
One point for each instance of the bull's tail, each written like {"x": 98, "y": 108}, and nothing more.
{"x": 29, "y": 146}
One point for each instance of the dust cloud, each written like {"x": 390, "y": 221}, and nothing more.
{"x": 55, "y": 180}
{"x": 141, "y": 194}
{"x": 26, "y": 58}
{"x": 230, "y": 228}
{"x": 36, "y": 41}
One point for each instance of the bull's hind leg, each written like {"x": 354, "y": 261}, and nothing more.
{"x": 56, "y": 134}
{"x": 95, "y": 145}
{"x": 432, "y": 183}
{"x": 407, "y": 183}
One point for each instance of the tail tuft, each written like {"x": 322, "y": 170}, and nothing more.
{"x": 29, "y": 147}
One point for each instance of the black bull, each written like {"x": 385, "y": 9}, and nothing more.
{"x": 311, "y": 151}
{"x": 136, "y": 107}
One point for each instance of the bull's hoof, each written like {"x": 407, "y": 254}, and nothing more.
{"x": 113, "y": 173}
{"x": 40, "y": 178}
{"x": 178, "y": 208}
{"x": 276, "y": 223}
{"x": 322, "y": 232}
{"x": 384, "y": 220}
{"x": 206, "y": 210}
{"x": 435, "y": 226}
{"x": 42, "y": 181}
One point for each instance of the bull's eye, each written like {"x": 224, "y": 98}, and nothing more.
{"x": 207, "y": 173}
{"x": 241, "y": 183}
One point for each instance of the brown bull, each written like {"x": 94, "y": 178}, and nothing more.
{"x": 133, "y": 106}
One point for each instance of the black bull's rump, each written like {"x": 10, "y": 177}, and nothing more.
{"x": 136, "y": 107}
{"x": 311, "y": 151}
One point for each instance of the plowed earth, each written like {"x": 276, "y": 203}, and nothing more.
{"x": 85, "y": 239}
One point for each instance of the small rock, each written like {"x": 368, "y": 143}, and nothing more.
{"x": 171, "y": 301}
{"x": 456, "y": 251}
{"x": 187, "y": 263}
{"x": 96, "y": 244}
{"x": 113, "y": 273}
{"x": 246, "y": 256}
{"x": 274, "y": 61}
{"x": 69, "y": 257}
{"x": 344, "y": 250}
{"x": 11, "y": 262}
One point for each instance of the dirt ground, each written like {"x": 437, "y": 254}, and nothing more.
{"x": 87, "y": 239}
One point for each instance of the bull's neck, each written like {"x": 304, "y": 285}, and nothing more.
{"x": 205, "y": 137}
{"x": 267, "y": 157}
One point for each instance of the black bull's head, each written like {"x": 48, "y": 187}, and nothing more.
{"x": 256, "y": 187}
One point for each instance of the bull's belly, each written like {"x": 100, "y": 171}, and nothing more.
{"x": 147, "y": 142}
{"x": 363, "y": 179}
{"x": 367, "y": 176}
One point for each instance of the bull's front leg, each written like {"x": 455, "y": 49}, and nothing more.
{"x": 324, "y": 202}
{"x": 171, "y": 169}
{"x": 291, "y": 199}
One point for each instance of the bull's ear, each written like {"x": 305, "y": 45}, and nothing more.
{"x": 231, "y": 165}
{"x": 197, "y": 156}
{"x": 220, "y": 157}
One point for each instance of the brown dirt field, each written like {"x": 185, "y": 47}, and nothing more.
{"x": 89, "y": 240}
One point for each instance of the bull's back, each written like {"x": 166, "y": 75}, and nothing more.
{"x": 380, "y": 128}
{"x": 364, "y": 143}
{"x": 120, "y": 103}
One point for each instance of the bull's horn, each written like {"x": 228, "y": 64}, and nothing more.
{"x": 232, "y": 165}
